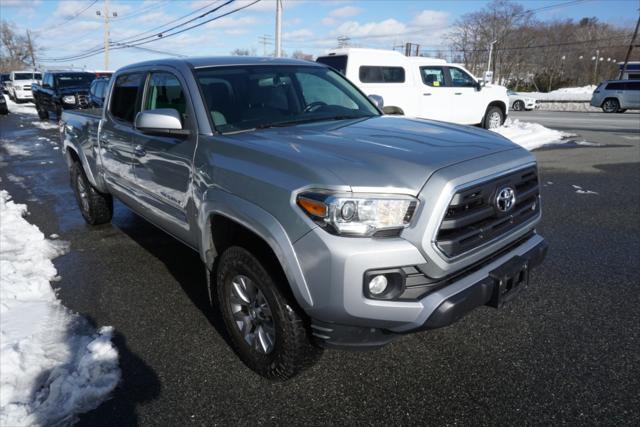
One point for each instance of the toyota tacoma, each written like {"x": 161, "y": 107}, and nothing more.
{"x": 321, "y": 221}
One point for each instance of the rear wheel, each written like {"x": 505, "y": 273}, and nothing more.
{"x": 266, "y": 329}
{"x": 96, "y": 207}
{"x": 518, "y": 106}
{"x": 610, "y": 105}
{"x": 493, "y": 118}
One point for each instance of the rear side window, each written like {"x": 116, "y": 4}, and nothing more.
{"x": 615, "y": 86}
{"x": 338, "y": 62}
{"x": 374, "y": 74}
{"x": 633, "y": 85}
{"x": 433, "y": 76}
{"x": 124, "y": 100}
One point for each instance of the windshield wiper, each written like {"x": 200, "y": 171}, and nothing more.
{"x": 314, "y": 119}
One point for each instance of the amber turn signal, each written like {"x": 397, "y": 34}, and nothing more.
{"x": 312, "y": 207}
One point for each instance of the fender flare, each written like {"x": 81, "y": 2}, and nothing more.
{"x": 261, "y": 223}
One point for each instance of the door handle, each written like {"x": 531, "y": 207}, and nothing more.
{"x": 458, "y": 93}
{"x": 139, "y": 151}
{"x": 426, "y": 94}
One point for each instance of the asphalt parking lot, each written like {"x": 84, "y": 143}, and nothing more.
{"x": 567, "y": 351}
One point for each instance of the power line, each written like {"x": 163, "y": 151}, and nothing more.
{"x": 132, "y": 39}
{"x": 163, "y": 36}
{"x": 155, "y": 5}
{"x": 71, "y": 18}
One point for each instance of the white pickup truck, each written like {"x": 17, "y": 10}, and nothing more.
{"x": 19, "y": 85}
{"x": 422, "y": 87}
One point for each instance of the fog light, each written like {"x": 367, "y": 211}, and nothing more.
{"x": 378, "y": 285}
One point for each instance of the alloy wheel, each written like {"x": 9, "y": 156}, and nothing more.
{"x": 252, "y": 314}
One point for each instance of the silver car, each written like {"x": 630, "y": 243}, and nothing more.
{"x": 617, "y": 96}
{"x": 519, "y": 102}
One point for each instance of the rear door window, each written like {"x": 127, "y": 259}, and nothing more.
{"x": 375, "y": 74}
{"x": 633, "y": 85}
{"x": 125, "y": 100}
{"x": 433, "y": 76}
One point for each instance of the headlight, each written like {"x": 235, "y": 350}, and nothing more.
{"x": 69, "y": 99}
{"x": 358, "y": 215}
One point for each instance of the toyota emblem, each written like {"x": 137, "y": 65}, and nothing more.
{"x": 505, "y": 199}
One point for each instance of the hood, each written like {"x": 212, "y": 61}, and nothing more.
{"x": 74, "y": 89}
{"x": 383, "y": 151}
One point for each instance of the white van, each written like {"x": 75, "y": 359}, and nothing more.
{"x": 421, "y": 87}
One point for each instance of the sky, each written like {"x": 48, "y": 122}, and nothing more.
{"x": 311, "y": 26}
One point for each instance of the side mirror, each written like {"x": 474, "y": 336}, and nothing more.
{"x": 377, "y": 99}
{"x": 479, "y": 85}
{"x": 392, "y": 111}
{"x": 161, "y": 121}
{"x": 46, "y": 85}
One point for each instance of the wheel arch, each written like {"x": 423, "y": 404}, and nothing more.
{"x": 227, "y": 220}
{"x": 499, "y": 104}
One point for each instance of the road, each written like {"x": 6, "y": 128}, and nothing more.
{"x": 566, "y": 351}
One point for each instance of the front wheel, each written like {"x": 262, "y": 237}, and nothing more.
{"x": 493, "y": 118}
{"x": 518, "y": 106}
{"x": 96, "y": 207}
{"x": 42, "y": 113}
{"x": 266, "y": 329}
{"x": 610, "y": 105}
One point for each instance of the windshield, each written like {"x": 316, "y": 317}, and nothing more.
{"x": 27, "y": 76}
{"x": 254, "y": 97}
{"x": 71, "y": 80}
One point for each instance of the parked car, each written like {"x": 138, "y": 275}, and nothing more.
{"x": 19, "y": 85}
{"x": 3, "y": 105}
{"x": 520, "y": 102}
{"x": 321, "y": 222}
{"x": 421, "y": 87}
{"x": 4, "y": 78}
{"x": 617, "y": 96}
{"x": 62, "y": 90}
{"x": 97, "y": 92}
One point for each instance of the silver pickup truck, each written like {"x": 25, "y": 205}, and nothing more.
{"x": 321, "y": 222}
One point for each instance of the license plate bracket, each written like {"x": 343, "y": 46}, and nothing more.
{"x": 508, "y": 280}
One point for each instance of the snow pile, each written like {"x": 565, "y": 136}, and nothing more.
{"x": 44, "y": 125}
{"x": 531, "y": 135}
{"x": 53, "y": 364}
{"x": 28, "y": 108}
{"x": 565, "y": 94}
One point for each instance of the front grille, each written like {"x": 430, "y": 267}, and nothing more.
{"x": 83, "y": 100}
{"x": 473, "y": 218}
{"x": 26, "y": 87}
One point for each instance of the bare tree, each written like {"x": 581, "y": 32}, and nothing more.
{"x": 298, "y": 54}
{"x": 14, "y": 49}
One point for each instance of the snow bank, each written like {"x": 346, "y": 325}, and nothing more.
{"x": 531, "y": 135}
{"x": 53, "y": 364}
{"x": 28, "y": 108}
{"x": 565, "y": 94}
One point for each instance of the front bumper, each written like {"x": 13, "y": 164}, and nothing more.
{"x": 344, "y": 317}
{"x": 23, "y": 94}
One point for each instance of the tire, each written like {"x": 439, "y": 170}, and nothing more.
{"x": 493, "y": 117}
{"x": 96, "y": 207}
{"x": 610, "y": 105}
{"x": 518, "y": 106}
{"x": 58, "y": 112}
{"x": 42, "y": 113}
{"x": 249, "y": 299}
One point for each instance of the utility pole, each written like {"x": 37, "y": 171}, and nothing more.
{"x": 265, "y": 40}
{"x": 343, "y": 41}
{"x": 595, "y": 68}
{"x": 490, "y": 56}
{"x": 626, "y": 58}
{"x": 106, "y": 16}
{"x": 33, "y": 58}
{"x": 278, "y": 28}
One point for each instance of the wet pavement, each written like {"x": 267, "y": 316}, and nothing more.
{"x": 566, "y": 351}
